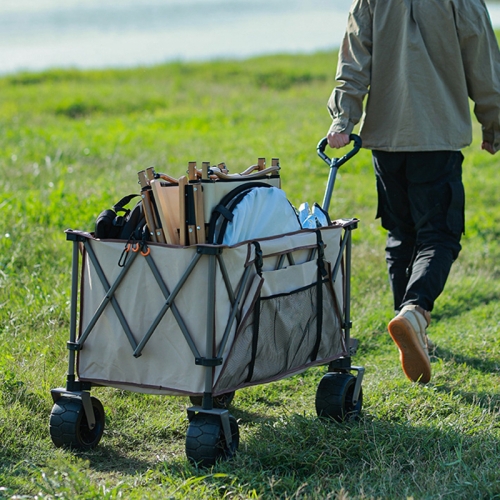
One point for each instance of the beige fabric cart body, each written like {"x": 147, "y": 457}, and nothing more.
{"x": 176, "y": 311}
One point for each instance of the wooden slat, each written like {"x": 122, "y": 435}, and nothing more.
{"x": 167, "y": 201}
{"x": 192, "y": 170}
{"x": 182, "y": 210}
{"x": 201, "y": 235}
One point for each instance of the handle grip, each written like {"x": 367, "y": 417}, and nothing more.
{"x": 337, "y": 162}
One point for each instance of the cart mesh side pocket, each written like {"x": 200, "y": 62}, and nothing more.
{"x": 292, "y": 322}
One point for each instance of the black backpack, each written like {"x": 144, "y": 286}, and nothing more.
{"x": 129, "y": 225}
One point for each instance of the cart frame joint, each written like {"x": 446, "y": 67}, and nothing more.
{"x": 208, "y": 361}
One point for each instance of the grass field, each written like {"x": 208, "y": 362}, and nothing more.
{"x": 71, "y": 144}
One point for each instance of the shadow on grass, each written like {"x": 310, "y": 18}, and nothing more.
{"x": 112, "y": 459}
{"x": 389, "y": 456}
{"x": 386, "y": 459}
{"x": 486, "y": 400}
{"x": 488, "y": 366}
{"x": 485, "y": 365}
{"x": 115, "y": 459}
{"x": 464, "y": 301}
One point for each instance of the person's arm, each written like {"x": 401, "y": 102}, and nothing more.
{"x": 481, "y": 57}
{"x": 353, "y": 75}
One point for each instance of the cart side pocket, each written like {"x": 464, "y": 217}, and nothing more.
{"x": 291, "y": 322}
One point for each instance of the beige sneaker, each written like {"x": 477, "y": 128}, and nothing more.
{"x": 407, "y": 330}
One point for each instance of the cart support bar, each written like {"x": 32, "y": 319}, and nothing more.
{"x": 84, "y": 396}
{"x": 223, "y": 415}
{"x": 73, "y": 312}
{"x": 169, "y": 304}
{"x": 109, "y": 297}
{"x": 359, "y": 381}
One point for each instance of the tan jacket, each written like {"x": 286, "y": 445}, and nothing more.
{"x": 419, "y": 61}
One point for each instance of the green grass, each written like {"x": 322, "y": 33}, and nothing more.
{"x": 71, "y": 143}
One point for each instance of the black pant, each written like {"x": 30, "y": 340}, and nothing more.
{"x": 421, "y": 203}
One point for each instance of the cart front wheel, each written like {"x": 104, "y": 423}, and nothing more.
{"x": 334, "y": 397}
{"x": 206, "y": 442}
{"x": 69, "y": 427}
{"x": 223, "y": 401}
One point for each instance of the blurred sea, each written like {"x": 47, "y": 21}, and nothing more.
{"x": 41, "y": 34}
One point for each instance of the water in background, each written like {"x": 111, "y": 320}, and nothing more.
{"x": 39, "y": 34}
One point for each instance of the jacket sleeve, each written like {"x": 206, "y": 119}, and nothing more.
{"x": 353, "y": 70}
{"x": 481, "y": 58}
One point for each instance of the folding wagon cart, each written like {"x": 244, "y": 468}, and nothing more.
{"x": 207, "y": 319}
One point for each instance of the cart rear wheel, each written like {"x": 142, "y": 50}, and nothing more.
{"x": 334, "y": 397}
{"x": 205, "y": 440}
{"x": 222, "y": 401}
{"x": 68, "y": 424}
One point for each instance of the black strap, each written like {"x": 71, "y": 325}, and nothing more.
{"x": 256, "y": 313}
{"x": 226, "y": 204}
{"x": 222, "y": 210}
{"x": 255, "y": 339}
{"x": 120, "y": 206}
{"x": 259, "y": 261}
{"x": 322, "y": 272}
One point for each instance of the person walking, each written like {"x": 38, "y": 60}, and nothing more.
{"x": 418, "y": 62}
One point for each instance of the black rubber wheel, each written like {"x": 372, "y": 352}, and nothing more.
{"x": 334, "y": 397}
{"x": 68, "y": 424}
{"x": 205, "y": 440}
{"x": 223, "y": 401}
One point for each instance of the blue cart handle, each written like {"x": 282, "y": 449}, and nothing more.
{"x": 334, "y": 164}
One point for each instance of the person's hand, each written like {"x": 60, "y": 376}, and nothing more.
{"x": 487, "y": 146}
{"x": 337, "y": 140}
